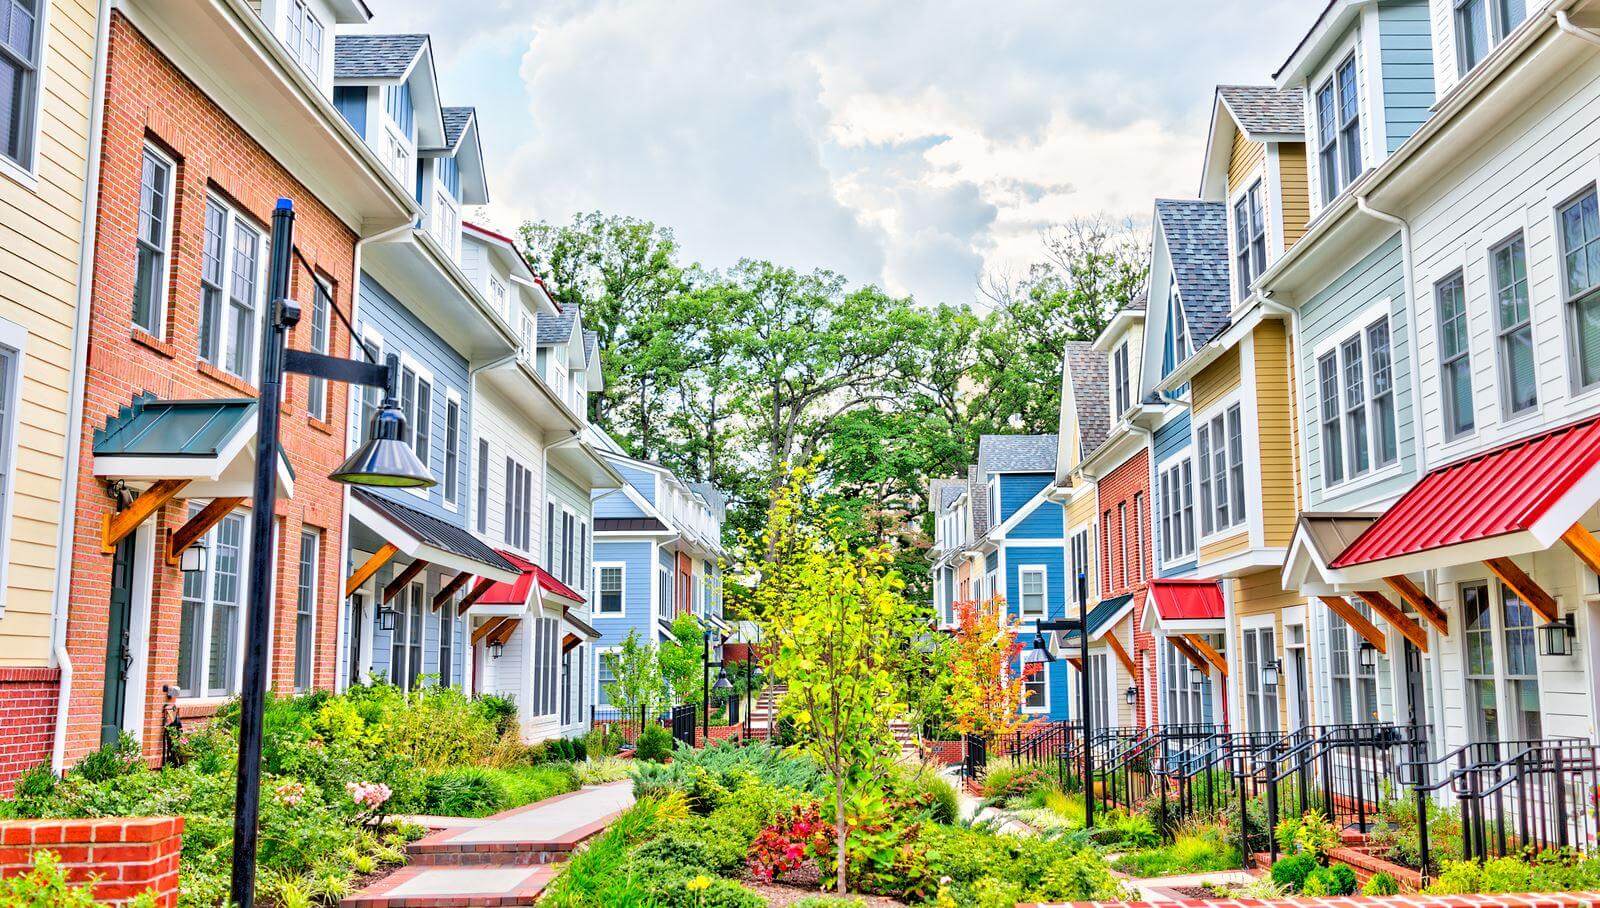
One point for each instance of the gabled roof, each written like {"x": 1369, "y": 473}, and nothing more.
{"x": 1017, "y": 454}
{"x": 713, "y": 496}
{"x": 1196, "y": 235}
{"x": 1264, "y": 110}
{"x": 943, "y": 492}
{"x": 980, "y": 501}
{"x": 456, "y": 120}
{"x": 1087, "y": 368}
{"x": 555, "y": 329}
{"x": 591, "y": 343}
{"x": 363, "y": 56}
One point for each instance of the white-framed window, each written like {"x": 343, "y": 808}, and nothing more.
{"x": 405, "y": 644}
{"x": 1508, "y": 270}
{"x": 447, "y": 641}
{"x": 1121, "y": 381}
{"x": 1100, "y": 689}
{"x": 483, "y": 486}
{"x": 1219, "y": 442}
{"x": 1185, "y": 698}
{"x": 400, "y": 131}
{"x": 1482, "y": 24}
{"x": 500, "y": 298}
{"x": 1138, "y": 537}
{"x": 1177, "y": 510}
{"x": 611, "y": 585}
{"x": 305, "y": 608}
{"x": 582, "y": 575}
{"x": 1580, "y": 283}
{"x": 210, "y": 632}
{"x": 1455, "y": 356}
{"x": 545, "y": 638}
{"x": 1338, "y": 110}
{"x": 1079, "y": 554}
{"x": 1122, "y": 541}
{"x": 1249, "y": 238}
{"x": 154, "y": 239}
{"x": 1032, "y": 600}
{"x": 1355, "y": 687}
{"x": 1178, "y": 329}
{"x": 991, "y": 585}
{"x": 20, "y": 45}
{"x": 1036, "y": 687}
{"x": 446, "y": 222}
{"x": 518, "y": 528}
{"x": 416, "y": 401}
{"x": 232, "y": 284}
{"x": 1501, "y": 664}
{"x": 605, "y": 675}
{"x": 452, "y": 448}
{"x": 12, "y": 341}
{"x": 305, "y": 36}
{"x": 317, "y": 387}
{"x": 1260, "y": 700}
{"x": 368, "y": 399}
{"x": 569, "y": 530}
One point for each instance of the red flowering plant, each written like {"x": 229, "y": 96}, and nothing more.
{"x": 783, "y": 846}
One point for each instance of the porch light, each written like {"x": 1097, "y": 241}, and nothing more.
{"x": 193, "y": 559}
{"x": 1555, "y": 638}
{"x": 1196, "y": 676}
{"x": 386, "y": 618}
{"x": 1131, "y": 695}
{"x": 386, "y": 460}
{"x": 497, "y": 649}
{"x": 1269, "y": 673}
{"x": 1368, "y": 654}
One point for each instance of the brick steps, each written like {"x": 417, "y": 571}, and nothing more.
{"x": 455, "y": 887}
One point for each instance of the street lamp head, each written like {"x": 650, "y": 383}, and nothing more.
{"x": 1040, "y": 650}
{"x": 723, "y": 684}
{"x": 386, "y": 459}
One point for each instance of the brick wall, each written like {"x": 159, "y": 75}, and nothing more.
{"x": 1129, "y": 486}
{"x": 150, "y": 100}
{"x": 27, "y": 713}
{"x": 125, "y": 856}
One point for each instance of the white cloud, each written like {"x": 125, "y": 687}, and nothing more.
{"x": 911, "y": 144}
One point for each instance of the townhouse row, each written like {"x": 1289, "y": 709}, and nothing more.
{"x": 1338, "y": 464}
{"x": 144, "y": 145}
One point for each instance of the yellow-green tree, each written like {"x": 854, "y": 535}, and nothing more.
{"x": 839, "y": 625}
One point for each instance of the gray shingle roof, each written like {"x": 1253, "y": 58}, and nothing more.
{"x": 1087, "y": 368}
{"x": 375, "y": 56}
{"x": 1265, "y": 109}
{"x": 1017, "y": 454}
{"x": 977, "y": 493}
{"x": 591, "y": 343}
{"x": 1140, "y": 301}
{"x": 943, "y": 492}
{"x": 1197, "y": 242}
{"x": 455, "y": 123}
{"x": 713, "y": 497}
{"x": 555, "y": 329}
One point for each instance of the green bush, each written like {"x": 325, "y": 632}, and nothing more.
{"x": 501, "y": 712}
{"x": 934, "y": 792}
{"x": 827, "y": 901}
{"x": 113, "y": 760}
{"x": 1381, "y": 883}
{"x": 1326, "y": 881}
{"x": 1195, "y": 852}
{"x": 466, "y": 791}
{"x": 600, "y": 770}
{"x": 1311, "y": 833}
{"x": 1291, "y": 872}
{"x": 654, "y": 744}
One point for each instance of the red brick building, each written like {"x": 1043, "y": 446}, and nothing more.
{"x": 188, "y": 184}
{"x": 1125, "y": 563}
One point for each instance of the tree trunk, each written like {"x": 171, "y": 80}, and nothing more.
{"x": 840, "y": 835}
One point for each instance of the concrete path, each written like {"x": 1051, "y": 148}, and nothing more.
{"x": 504, "y": 860}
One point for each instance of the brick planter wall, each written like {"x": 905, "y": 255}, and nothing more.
{"x": 27, "y": 713}
{"x": 1521, "y": 900}
{"x": 947, "y": 753}
{"x": 126, "y": 856}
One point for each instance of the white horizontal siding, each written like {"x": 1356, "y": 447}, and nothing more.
{"x": 494, "y": 420}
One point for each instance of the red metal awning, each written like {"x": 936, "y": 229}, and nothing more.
{"x": 532, "y": 575}
{"x": 554, "y": 587}
{"x": 1186, "y": 605}
{"x": 1516, "y": 498}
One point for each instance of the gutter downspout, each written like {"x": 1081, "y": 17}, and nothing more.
{"x": 342, "y": 631}
{"x": 61, "y": 601}
{"x": 1564, "y": 23}
{"x": 1411, "y": 321}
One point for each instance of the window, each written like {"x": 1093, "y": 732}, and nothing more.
{"x": 1109, "y": 568}
{"x": 447, "y": 627}
{"x": 1031, "y": 592}
{"x": 208, "y": 626}
{"x": 232, "y": 268}
{"x": 1580, "y": 251}
{"x": 305, "y": 38}
{"x": 1177, "y": 510}
{"x": 1455, "y": 361}
{"x": 1120, "y": 381}
{"x": 1080, "y": 568}
{"x": 568, "y": 530}
{"x": 1138, "y": 536}
{"x": 405, "y": 646}
{"x": 1355, "y": 406}
{"x": 155, "y": 237}
{"x": 1339, "y": 130}
{"x": 19, "y": 78}
{"x": 1177, "y": 330}
{"x": 446, "y": 222}
{"x": 1220, "y": 443}
{"x": 10, "y": 379}
{"x": 1355, "y": 382}
{"x": 1482, "y": 24}
{"x": 452, "y": 450}
{"x": 317, "y": 387}
{"x": 500, "y": 300}
{"x": 1522, "y": 673}
{"x": 1355, "y": 689}
{"x": 305, "y": 610}
{"x": 245, "y": 288}
{"x": 1035, "y": 687}
{"x": 545, "y": 638}
{"x": 369, "y": 398}
{"x": 1502, "y": 671}
{"x": 1479, "y": 620}
{"x": 518, "y": 529}
{"x": 1100, "y": 689}
{"x": 664, "y": 603}
{"x": 1250, "y": 238}
{"x": 1261, "y": 701}
{"x": 1185, "y": 697}
{"x": 582, "y": 576}
{"x": 1122, "y": 540}
{"x": 610, "y": 585}
{"x": 1332, "y": 428}
{"x": 1380, "y": 365}
{"x": 605, "y": 675}
{"x": 483, "y": 486}
{"x": 550, "y": 537}
{"x": 1513, "y": 327}
{"x": 214, "y": 252}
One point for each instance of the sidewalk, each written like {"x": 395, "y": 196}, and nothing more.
{"x": 499, "y": 861}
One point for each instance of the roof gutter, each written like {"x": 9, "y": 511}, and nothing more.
{"x": 1411, "y": 315}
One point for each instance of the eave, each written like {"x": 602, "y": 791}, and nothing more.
{"x": 524, "y": 389}
{"x": 417, "y": 271}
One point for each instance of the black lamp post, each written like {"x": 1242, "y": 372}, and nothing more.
{"x": 723, "y": 684}
{"x": 1042, "y": 646}
{"x": 384, "y": 460}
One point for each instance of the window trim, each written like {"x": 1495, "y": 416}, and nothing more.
{"x": 26, "y": 172}
{"x": 13, "y": 337}
{"x": 1218, "y": 413}
{"x": 1249, "y": 252}
{"x": 322, "y": 289}
{"x": 295, "y": 14}
{"x": 1174, "y": 467}
{"x": 1339, "y": 146}
{"x": 234, "y": 218}
{"x": 451, "y": 471}
{"x": 1044, "y": 673}
{"x": 1028, "y": 570}
{"x": 312, "y": 537}
{"x": 1121, "y": 381}
{"x": 1570, "y": 300}
{"x": 1332, "y": 346}
{"x": 161, "y": 301}
{"x": 1454, "y": 432}
{"x": 599, "y": 591}
{"x": 1503, "y": 378}
{"x": 208, "y": 610}
{"x": 420, "y": 373}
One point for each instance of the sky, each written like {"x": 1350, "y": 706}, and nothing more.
{"x": 913, "y": 145}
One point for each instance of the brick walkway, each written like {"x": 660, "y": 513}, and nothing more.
{"x": 503, "y": 860}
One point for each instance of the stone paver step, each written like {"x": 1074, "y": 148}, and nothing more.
{"x": 539, "y": 833}
{"x": 455, "y": 887}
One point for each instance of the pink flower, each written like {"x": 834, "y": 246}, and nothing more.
{"x": 371, "y": 795}
{"x": 291, "y": 793}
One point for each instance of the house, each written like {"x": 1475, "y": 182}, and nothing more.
{"x": 658, "y": 551}
{"x": 47, "y": 200}
{"x": 198, "y": 142}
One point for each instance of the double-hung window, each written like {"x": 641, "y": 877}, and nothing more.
{"x": 1177, "y": 510}
{"x": 1250, "y": 238}
{"x": 1332, "y": 426}
{"x": 1355, "y": 688}
{"x": 1513, "y": 327}
{"x": 19, "y": 78}
{"x": 317, "y": 387}
{"x": 306, "y": 34}
{"x": 154, "y": 239}
{"x": 1380, "y": 366}
{"x": 1035, "y": 687}
{"x": 483, "y": 486}
{"x": 1355, "y": 406}
{"x": 1121, "y": 381}
{"x": 405, "y": 643}
{"x": 1455, "y": 358}
{"x": 1261, "y": 700}
{"x": 452, "y": 451}
{"x": 518, "y": 529}
{"x": 610, "y": 582}
{"x": 232, "y": 266}
{"x": 1339, "y": 130}
{"x": 305, "y": 609}
{"x": 1031, "y": 590}
{"x": 1580, "y": 256}
{"x": 416, "y": 400}
{"x": 447, "y": 634}
{"x": 1355, "y": 384}
{"x": 208, "y": 623}
{"x": 1220, "y": 443}
{"x": 1080, "y": 568}
{"x": 1482, "y": 24}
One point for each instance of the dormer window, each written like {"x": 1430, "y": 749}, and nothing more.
{"x": 1339, "y": 130}
{"x": 1178, "y": 329}
{"x": 1482, "y": 24}
{"x": 1121, "y": 381}
{"x": 401, "y": 132}
{"x": 1250, "y": 238}
{"x": 994, "y": 500}
{"x": 305, "y": 37}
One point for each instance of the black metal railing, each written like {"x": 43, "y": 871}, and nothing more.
{"x": 1042, "y": 742}
{"x": 1343, "y": 771}
{"x": 974, "y": 758}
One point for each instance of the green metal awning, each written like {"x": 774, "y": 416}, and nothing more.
{"x": 208, "y": 443}
{"x": 1103, "y": 617}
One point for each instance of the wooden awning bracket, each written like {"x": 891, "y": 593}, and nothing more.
{"x": 503, "y": 633}
{"x": 467, "y": 601}
{"x": 368, "y": 568}
{"x": 1189, "y": 653}
{"x": 1526, "y": 588}
{"x": 200, "y": 524}
{"x": 120, "y": 525}
{"x": 1397, "y": 619}
{"x": 1209, "y": 652}
{"x": 485, "y": 629}
{"x": 1583, "y": 544}
{"x": 1357, "y": 621}
{"x": 1407, "y": 589}
{"x": 450, "y": 588}
{"x": 1122, "y": 654}
{"x": 404, "y": 577}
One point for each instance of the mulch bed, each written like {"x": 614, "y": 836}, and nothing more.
{"x": 1193, "y": 892}
{"x": 807, "y": 882}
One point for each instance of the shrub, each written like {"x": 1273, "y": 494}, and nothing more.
{"x": 654, "y": 744}
{"x": 46, "y": 886}
{"x": 1291, "y": 872}
{"x": 598, "y": 771}
{"x": 1325, "y": 881}
{"x": 1311, "y": 833}
{"x": 1133, "y": 830}
{"x": 465, "y": 791}
{"x": 113, "y": 760}
{"x": 1395, "y": 834}
{"x": 501, "y": 712}
{"x": 1381, "y": 883}
{"x": 1195, "y": 852}
{"x": 936, "y": 795}
{"x": 1004, "y": 780}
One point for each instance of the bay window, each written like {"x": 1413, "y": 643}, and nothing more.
{"x": 1356, "y": 409}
